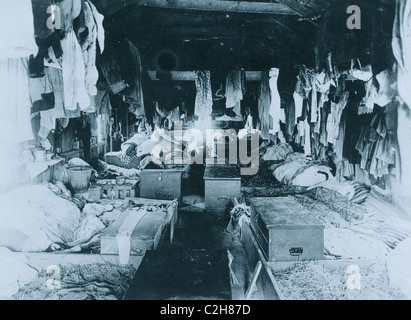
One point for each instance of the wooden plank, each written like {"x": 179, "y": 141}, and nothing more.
{"x": 145, "y": 236}
{"x": 254, "y": 280}
{"x": 220, "y": 5}
{"x": 190, "y": 75}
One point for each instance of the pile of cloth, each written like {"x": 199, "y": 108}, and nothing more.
{"x": 299, "y": 171}
{"x": 38, "y": 218}
{"x": 80, "y": 282}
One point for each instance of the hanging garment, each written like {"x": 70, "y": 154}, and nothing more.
{"x": 290, "y": 119}
{"x": 307, "y": 138}
{"x": 387, "y": 88}
{"x": 275, "y": 106}
{"x": 73, "y": 74}
{"x": 298, "y": 103}
{"x": 204, "y": 96}
{"x": 264, "y": 101}
{"x": 367, "y": 103}
{"x": 401, "y": 45}
{"x": 95, "y": 32}
{"x": 135, "y": 96}
{"x": 15, "y": 123}
{"x": 353, "y": 122}
{"x": 111, "y": 70}
{"x": 333, "y": 121}
{"x": 102, "y": 102}
{"x": 41, "y": 94}
{"x": 234, "y": 91}
{"x": 17, "y": 36}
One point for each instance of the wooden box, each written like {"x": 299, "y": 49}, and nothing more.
{"x": 221, "y": 183}
{"x": 161, "y": 184}
{"x": 285, "y": 230}
{"x": 147, "y": 233}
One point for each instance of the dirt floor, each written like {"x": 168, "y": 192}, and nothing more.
{"x": 196, "y": 265}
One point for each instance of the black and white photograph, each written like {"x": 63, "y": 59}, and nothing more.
{"x": 224, "y": 151}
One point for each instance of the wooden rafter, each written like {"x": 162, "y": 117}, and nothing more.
{"x": 111, "y": 6}
{"x": 299, "y": 9}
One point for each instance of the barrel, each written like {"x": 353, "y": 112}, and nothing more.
{"x": 79, "y": 178}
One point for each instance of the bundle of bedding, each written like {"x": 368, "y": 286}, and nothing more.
{"x": 36, "y": 219}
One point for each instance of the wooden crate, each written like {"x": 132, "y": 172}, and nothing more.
{"x": 161, "y": 184}
{"x": 147, "y": 233}
{"x": 222, "y": 184}
{"x": 285, "y": 230}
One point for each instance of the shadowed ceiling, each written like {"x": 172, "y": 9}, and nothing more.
{"x": 255, "y": 35}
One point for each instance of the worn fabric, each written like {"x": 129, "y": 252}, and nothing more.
{"x": 234, "y": 90}
{"x": 264, "y": 101}
{"x": 334, "y": 118}
{"x": 95, "y": 33}
{"x": 204, "y": 97}
{"x": 275, "y": 105}
{"x": 401, "y": 45}
{"x": 17, "y": 36}
{"x": 41, "y": 94}
{"x": 111, "y": 70}
{"x": 135, "y": 96}
{"x": 75, "y": 91}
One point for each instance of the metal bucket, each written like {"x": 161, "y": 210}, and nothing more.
{"x": 79, "y": 178}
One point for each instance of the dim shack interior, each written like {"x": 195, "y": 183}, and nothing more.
{"x": 201, "y": 150}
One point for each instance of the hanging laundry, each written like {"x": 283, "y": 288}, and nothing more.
{"x": 353, "y": 121}
{"x": 367, "y": 103}
{"x": 204, "y": 96}
{"x": 95, "y": 33}
{"x": 401, "y": 45}
{"x": 234, "y": 90}
{"x": 111, "y": 70}
{"x": 264, "y": 102}
{"x": 333, "y": 121}
{"x": 307, "y": 138}
{"x": 73, "y": 74}
{"x": 17, "y": 36}
{"x": 298, "y": 100}
{"x": 387, "y": 87}
{"x": 102, "y": 102}
{"x": 135, "y": 96}
{"x": 275, "y": 106}
{"x": 41, "y": 94}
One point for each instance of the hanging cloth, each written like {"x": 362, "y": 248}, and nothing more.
{"x": 275, "y": 106}
{"x": 95, "y": 32}
{"x": 135, "y": 97}
{"x": 234, "y": 90}
{"x": 401, "y": 45}
{"x": 264, "y": 101}
{"x": 204, "y": 96}
{"x": 75, "y": 91}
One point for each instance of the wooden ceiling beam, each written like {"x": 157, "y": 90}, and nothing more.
{"x": 112, "y": 6}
